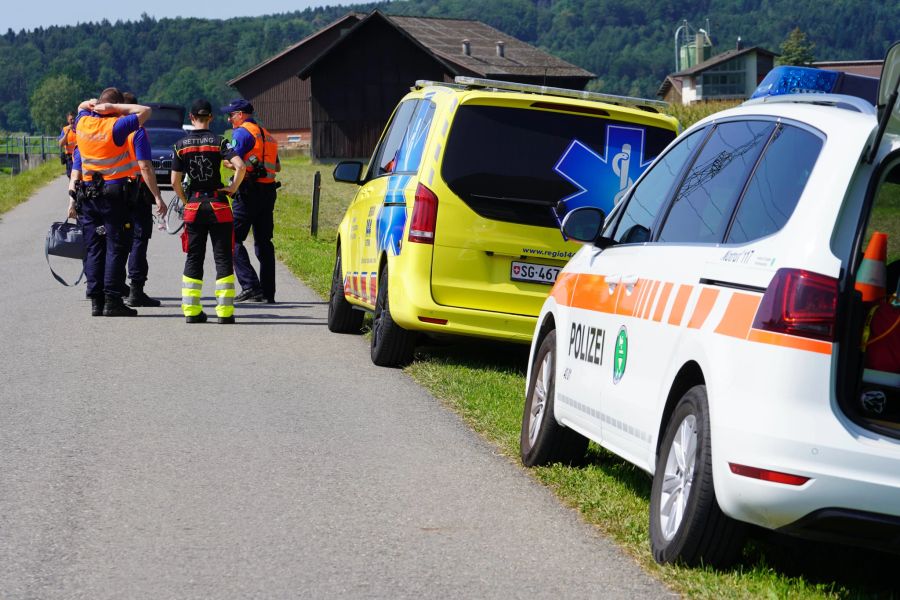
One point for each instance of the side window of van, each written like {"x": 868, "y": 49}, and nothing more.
{"x": 702, "y": 208}
{"x": 386, "y": 153}
{"x": 653, "y": 190}
{"x": 409, "y": 155}
{"x": 776, "y": 185}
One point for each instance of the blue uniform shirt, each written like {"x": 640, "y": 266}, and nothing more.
{"x": 242, "y": 141}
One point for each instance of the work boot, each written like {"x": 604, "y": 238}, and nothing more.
{"x": 114, "y": 307}
{"x": 139, "y": 298}
{"x": 201, "y": 318}
{"x": 226, "y": 320}
{"x": 250, "y": 295}
{"x": 97, "y": 303}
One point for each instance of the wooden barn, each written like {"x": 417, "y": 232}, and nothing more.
{"x": 342, "y": 83}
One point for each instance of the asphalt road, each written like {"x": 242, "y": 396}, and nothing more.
{"x": 147, "y": 458}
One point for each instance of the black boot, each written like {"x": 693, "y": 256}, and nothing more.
{"x": 114, "y": 307}
{"x": 201, "y": 318}
{"x": 97, "y": 303}
{"x": 137, "y": 297}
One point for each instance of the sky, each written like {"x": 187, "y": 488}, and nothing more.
{"x": 44, "y": 13}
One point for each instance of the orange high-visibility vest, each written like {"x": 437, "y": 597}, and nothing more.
{"x": 69, "y": 138}
{"x": 135, "y": 170}
{"x": 99, "y": 153}
{"x": 265, "y": 149}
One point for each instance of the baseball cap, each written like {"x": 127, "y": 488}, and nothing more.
{"x": 239, "y": 105}
{"x": 201, "y": 108}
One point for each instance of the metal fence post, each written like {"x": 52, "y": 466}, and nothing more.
{"x": 314, "y": 220}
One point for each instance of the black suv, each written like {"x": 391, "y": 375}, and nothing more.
{"x": 164, "y": 128}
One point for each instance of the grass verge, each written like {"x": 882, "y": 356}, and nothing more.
{"x": 15, "y": 189}
{"x": 484, "y": 383}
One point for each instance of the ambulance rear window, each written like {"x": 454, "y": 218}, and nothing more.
{"x": 501, "y": 161}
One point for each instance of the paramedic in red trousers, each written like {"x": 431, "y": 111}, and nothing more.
{"x": 254, "y": 203}
{"x": 200, "y": 154}
{"x": 66, "y": 141}
{"x": 146, "y": 194}
{"x": 102, "y": 164}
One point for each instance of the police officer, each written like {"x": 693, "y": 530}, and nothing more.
{"x": 66, "y": 142}
{"x": 254, "y": 203}
{"x": 146, "y": 193}
{"x": 206, "y": 213}
{"x": 101, "y": 164}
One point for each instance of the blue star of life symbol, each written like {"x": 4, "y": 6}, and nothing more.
{"x": 602, "y": 180}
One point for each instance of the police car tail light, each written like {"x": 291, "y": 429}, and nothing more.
{"x": 424, "y": 217}
{"x": 800, "y": 303}
{"x": 767, "y": 475}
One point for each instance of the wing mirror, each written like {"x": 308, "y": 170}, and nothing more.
{"x": 585, "y": 224}
{"x": 348, "y": 171}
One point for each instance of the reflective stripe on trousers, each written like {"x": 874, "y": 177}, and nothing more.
{"x": 191, "y": 290}
{"x": 225, "y": 296}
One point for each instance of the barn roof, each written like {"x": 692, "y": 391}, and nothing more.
{"x": 443, "y": 39}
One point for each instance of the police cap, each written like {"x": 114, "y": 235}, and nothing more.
{"x": 239, "y": 105}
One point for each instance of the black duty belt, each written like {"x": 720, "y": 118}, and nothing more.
{"x": 211, "y": 195}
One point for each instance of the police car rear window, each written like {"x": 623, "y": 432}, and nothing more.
{"x": 501, "y": 161}
{"x": 702, "y": 208}
{"x": 776, "y": 185}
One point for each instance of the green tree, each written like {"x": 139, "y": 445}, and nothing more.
{"x": 796, "y": 49}
{"x": 52, "y": 99}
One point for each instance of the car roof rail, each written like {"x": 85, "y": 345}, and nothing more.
{"x": 837, "y": 100}
{"x": 475, "y": 83}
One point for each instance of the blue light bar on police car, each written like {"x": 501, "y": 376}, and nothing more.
{"x": 805, "y": 80}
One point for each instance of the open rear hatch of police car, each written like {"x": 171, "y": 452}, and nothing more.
{"x": 868, "y": 381}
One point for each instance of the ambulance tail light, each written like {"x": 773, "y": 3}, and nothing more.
{"x": 424, "y": 217}
{"x": 800, "y": 303}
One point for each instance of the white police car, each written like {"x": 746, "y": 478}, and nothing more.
{"x": 708, "y": 331}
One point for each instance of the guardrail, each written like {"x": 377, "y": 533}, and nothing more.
{"x": 22, "y": 152}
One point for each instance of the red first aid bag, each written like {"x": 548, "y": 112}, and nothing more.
{"x": 882, "y": 343}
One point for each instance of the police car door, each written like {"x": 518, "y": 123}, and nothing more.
{"x": 664, "y": 297}
{"x": 595, "y": 344}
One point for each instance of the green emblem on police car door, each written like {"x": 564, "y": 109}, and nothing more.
{"x": 620, "y": 355}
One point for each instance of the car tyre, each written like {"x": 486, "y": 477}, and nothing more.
{"x": 392, "y": 346}
{"x": 543, "y": 441}
{"x": 342, "y": 318}
{"x": 686, "y": 524}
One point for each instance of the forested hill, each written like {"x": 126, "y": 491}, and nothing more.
{"x": 627, "y": 43}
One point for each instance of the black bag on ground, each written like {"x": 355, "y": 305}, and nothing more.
{"x": 67, "y": 240}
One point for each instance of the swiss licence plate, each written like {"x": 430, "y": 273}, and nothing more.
{"x": 162, "y": 171}
{"x": 522, "y": 271}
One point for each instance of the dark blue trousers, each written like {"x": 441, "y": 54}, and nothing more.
{"x": 106, "y": 221}
{"x": 254, "y": 208}
{"x": 142, "y": 218}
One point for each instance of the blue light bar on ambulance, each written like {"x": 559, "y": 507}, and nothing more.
{"x": 805, "y": 80}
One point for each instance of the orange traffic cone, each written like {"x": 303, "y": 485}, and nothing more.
{"x": 872, "y": 275}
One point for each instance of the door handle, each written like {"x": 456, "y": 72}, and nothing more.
{"x": 612, "y": 281}
{"x": 630, "y": 281}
